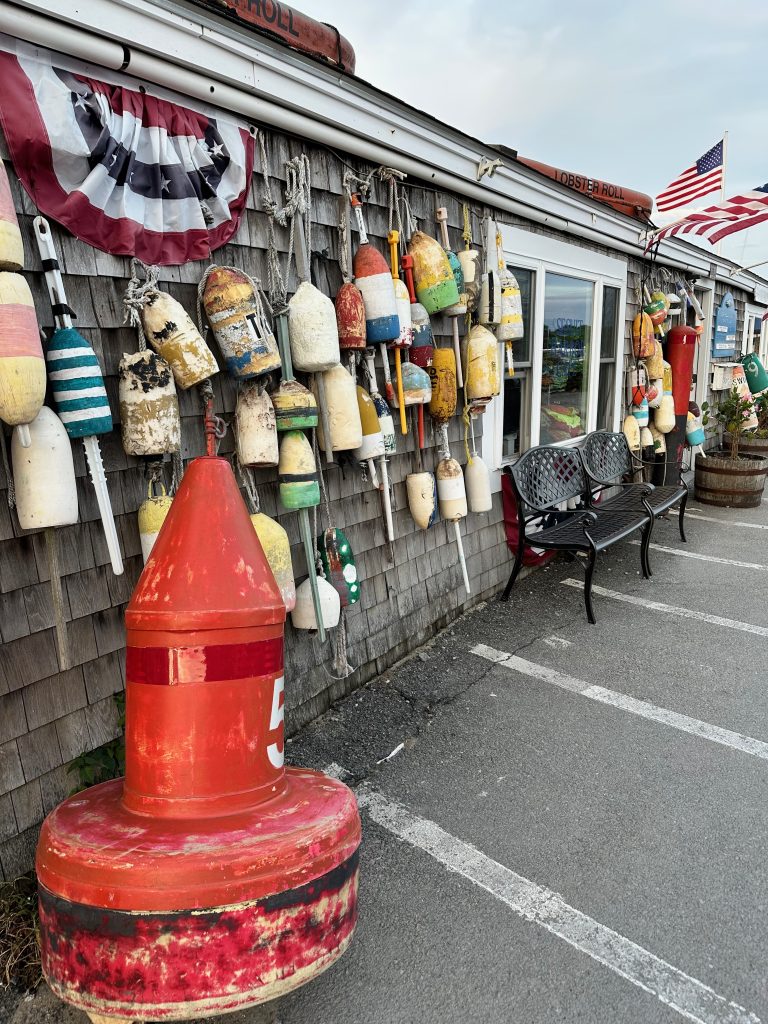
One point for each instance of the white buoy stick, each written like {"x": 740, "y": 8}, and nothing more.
{"x": 309, "y": 553}
{"x": 462, "y": 559}
{"x": 385, "y": 497}
{"x": 99, "y": 481}
{"x": 373, "y": 474}
{"x": 57, "y": 597}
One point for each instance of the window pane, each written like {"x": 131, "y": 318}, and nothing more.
{"x": 521, "y": 349}
{"x": 567, "y": 336}
{"x": 515, "y": 439}
{"x": 609, "y": 333}
{"x": 605, "y": 395}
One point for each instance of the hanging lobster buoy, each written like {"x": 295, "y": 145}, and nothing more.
{"x": 481, "y": 367}
{"x": 656, "y": 308}
{"x": 694, "y": 431}
{"x": 754, "y": 371}
{"x": 442, "y": 374}
{"x": 343, "y": 415}
{"x": 637, "y": 384}
{"x": 303, "y": 615}
{"x": 312, "y": 328}
{"x": 453, "y": 503}
{"x": 236, "y": 315}
{"x": 350, "y": 316}
{"x": 646, "y": 445}
{"x": 643, "y": 341}
{"x": 382, "y": 408}
{"x": 338, "y": 564}
{"x": 489, "y": 312}
{"x": 11, "y": 247}
{"x": 295, "y": 406}
{"x": 422, "y": 499}
{"x": 436, "y": 286}
{"x": 477, "y": 481}
{"x": 297, "y": 472}
{"x": 655, "y": 393}
{"x": 44, "y": 474}
{"x": 149, "y": 409}
{"x": 664, "y": 415}
{"x": 423, "y": 339}
{"x": 405, "y": 338}
{"x": 172, "y": 334}
{"x": 631, "y": 429}
{"x": 374, "y": 279}
{"x": 151, "y": 516}
{"x": 459, "y": 308}
{"x": 640, "y": 412}
{"x": 417, "y": 387}
{"x": 511, "y": 314}
{"x": 22, "y": 366}
{"x": 470, "y": 261}
{"x": 277, "y": 550}
{"x": 372, "y": 445}
{"x": 654, "y": 363}
{"x": 659, "y": 441}
{"x": 255, "y": 428}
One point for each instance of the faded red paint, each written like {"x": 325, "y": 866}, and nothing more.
{"x": 162, "y": 966}
{"x": 350, "y": 316}
{"x": 212, "y": 878}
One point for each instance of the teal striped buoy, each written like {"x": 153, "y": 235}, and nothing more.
{"x": 78, "y": 385}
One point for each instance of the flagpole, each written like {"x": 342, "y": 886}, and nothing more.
{"x": 722, "y": 182}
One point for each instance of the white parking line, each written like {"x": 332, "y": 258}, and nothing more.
{"x": 735, "y": 740}
{"x": 691, "y": 998}
{"x": 672, "y": 609}
{"x": 724, "y": 522}
{"x": 704, "y": 558}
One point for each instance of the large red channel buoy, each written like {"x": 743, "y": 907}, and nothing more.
{"x": 212, "y": 877}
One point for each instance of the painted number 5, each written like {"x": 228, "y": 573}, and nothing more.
{"x": 275, "y": 751}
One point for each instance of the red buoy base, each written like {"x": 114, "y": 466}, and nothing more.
{"x": 149, "y": 940}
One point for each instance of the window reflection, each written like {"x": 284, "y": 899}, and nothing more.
{"x": 568, "y": 304}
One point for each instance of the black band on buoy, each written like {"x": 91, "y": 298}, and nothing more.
{"x": 296, "y": 478}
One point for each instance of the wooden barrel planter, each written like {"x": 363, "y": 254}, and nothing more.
{"x": 718, "y": 480}
{"x": 750, "y": 445}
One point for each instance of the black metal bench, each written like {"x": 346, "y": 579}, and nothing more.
{"x": 546, "y": 478}
{"x": 607, "y": 459}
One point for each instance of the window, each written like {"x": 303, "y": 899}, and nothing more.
{"x": 568, "y": 363}
{"x": 568, "y": 305}
{"x": 609, "y": 351}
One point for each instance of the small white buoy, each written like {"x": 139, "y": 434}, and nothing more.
{"x": 313, "y": 330}
{"x": 303, "y": 615}
{"x": 256, "y": 428}
{"x": 149, "y": 409}
{"x": 477, "y": 480}
{"x": 343, "y": 412}
{"x": 44, "y": 474}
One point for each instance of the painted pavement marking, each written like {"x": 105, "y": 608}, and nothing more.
{"x": 672, "y": 609}
{"x": 725, "y": 737}
{"x": 704, "y": 558}
{"x": 532, "y": 902}
{"x": 725, "y": 522}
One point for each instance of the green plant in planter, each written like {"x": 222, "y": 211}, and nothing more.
{"x": 731, "y": 414}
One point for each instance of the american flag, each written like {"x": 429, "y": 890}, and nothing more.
{"x": 705, "y": 176}
{"x": 717, "y": 222}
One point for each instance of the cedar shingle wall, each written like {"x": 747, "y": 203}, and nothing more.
{"x": 48, "y": 717}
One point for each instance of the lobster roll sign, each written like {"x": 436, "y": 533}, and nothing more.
{"x": 127, "y": 172}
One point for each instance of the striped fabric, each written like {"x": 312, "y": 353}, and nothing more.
{"x": 77, "y": 384}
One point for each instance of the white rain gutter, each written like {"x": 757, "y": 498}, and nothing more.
{"x": 245, "y": 73}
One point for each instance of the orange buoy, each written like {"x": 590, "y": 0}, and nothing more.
{"x": 22, "y": 366}
{"x": 350, "y": 316}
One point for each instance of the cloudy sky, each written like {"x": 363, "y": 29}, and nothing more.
{"x": 632, "y": 93}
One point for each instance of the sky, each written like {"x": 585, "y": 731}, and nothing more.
{"x": 632, "y": 93}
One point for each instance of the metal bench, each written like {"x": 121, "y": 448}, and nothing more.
{"x": 544, "y": 480}
{"x": 608, "y": 460}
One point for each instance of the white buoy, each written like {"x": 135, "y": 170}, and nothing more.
{"x": 343, "y": 414}
{"x": 453, "y": 504}
{"x": 422, "y": 499}
{"x": 44, "y": 474}
{"x": 477, "y": 480}
{"x": 149, "y": 409}
{"x": 256, "y": 428}
{"x": 303, "y": 614}
{"x": 172, "y": 333}
{"x": 313, "y": 330}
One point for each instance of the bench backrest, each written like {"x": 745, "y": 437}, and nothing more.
{"x": 606, "y": 456}
{"x": 545, "y": 477}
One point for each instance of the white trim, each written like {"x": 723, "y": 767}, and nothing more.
{"x": 542, "y": 254}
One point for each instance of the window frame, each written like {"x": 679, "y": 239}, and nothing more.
{"x": 541, "y": 254}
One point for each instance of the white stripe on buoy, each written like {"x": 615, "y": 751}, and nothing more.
{"x": 69, "y": 353}
{"x": 84, "y": 414}
{"x": 75, "y": 393}
{"x": 75, "y": 372}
